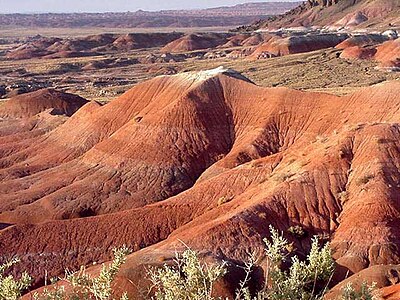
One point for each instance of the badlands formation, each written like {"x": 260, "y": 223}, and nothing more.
{"x": 206, "y": 157}
{"x": 337, "y": 14}
{"x": 150, "y": 168}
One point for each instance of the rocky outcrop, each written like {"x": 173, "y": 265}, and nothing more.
{"x": 323, "y": 3}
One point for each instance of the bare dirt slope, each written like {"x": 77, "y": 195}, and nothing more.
{"x": 210, "y": 159}
{"x": 338, "y": 13}
{"x": 386, "y": 53}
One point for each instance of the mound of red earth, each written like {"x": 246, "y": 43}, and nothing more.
{"x": 26, "y": 118}
{"x": 362, "y": 41}
{"x": 278, "y": 46}
{"x": 358, "y": 52}
{"x": 106, "y": 63}
{"x": 361, "y": 46}
{"x": 196, "y": 41}
{"x": 30, "y": 104}
{"x": 144, "y": 40}
{"x": 44, "y": 47}
{"x": 35, "y": 48}
{"x": 247, "y": 39}
{"x": 387, "y": 53}
{"x": 336, "y": 14}
{"x": 385, "y": 276}
{"x": 212, "y": 160}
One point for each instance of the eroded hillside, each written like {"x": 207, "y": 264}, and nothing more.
{"x": 208, "y": 158}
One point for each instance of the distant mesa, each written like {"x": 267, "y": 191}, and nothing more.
{"x": 213, "y": 17}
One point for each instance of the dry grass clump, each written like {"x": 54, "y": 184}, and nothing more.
{"x": 365, "y": 179}
{"x": 224, "y": 199}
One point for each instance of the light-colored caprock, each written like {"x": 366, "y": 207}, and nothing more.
{"x": 200, "y": 76}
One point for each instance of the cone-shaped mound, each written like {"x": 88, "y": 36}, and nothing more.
{"x": 194, "y": 41}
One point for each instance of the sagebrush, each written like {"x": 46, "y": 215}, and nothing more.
{"x": 190, "y": 279}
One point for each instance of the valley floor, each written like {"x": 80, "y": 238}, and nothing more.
{"x": 320, "y": 70}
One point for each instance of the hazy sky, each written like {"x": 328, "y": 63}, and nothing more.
{"x": 26, "y": 6}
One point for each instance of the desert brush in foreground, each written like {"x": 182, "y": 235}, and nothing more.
{"x": 191, "y": 279}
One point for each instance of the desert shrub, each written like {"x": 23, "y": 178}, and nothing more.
{"x": 281, "y": 177}
{"x": 366, "y": 292}
{"x": 188, "y": 279}
{"x": 342, "y": 196}
{"x": 11, "y": 288}
{"x": 224, "y": 199}
{"x": 365, "y": 179}
{"x": 303, "y": 279}
{"x": 297, "y": 231}
{"x": 84, "y": 286}
{"x": 191, "y": 279}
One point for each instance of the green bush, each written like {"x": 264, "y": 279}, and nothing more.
{"x": 83, "y": 286}
{"x": 187, "y": 279}
{"x": 190, "y": 279}
{"x": 11, "y": 288}
{"x": 297, "y": 231}
{"x": 366, "y": 292}
{"x": 304, "y": 279}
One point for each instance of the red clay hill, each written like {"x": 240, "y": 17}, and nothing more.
{"x": 280, "y": 46}
{"x": 31, "y": 104}
{"x": 48, "y": 47}
{"x": 210, "y": 159}
{"x": 387, "y": 53}
{"x": 197, "y": 41}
